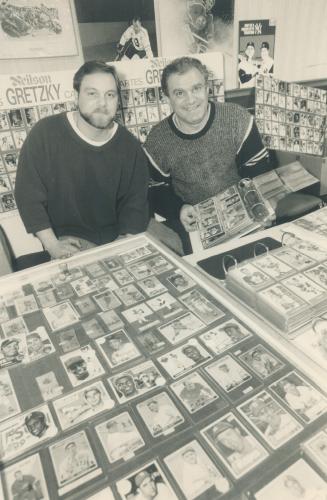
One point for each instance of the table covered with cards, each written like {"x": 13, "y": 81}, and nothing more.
{"x": 124, "y": 375}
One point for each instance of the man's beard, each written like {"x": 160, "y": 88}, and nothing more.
{"x": 91, "y": 119}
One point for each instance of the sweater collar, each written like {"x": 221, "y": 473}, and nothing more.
{"x": 196, "y": 135}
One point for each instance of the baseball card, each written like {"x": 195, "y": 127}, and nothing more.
{"x": 123, "y": 277}
{"x": 73, "y": 461}
{"x": 111, "y": 320}
{"x": 151, "y": 341}
{"x": 159, "y": 264}
{"x": 9, "y": 405}
{"x": 222, "y": 337}
{"x": 25, "y": 480}
{"x": 194, "y": 392}
{"x": 129, "y": 295}
{"x": 112, "y": 263}
{"x": 68, "y": 340}
{"x": 95, "y": 269}
{"x": 25, "y": 431}
{"x": 195, "y": 473}
{"x": 165, "y": 306}
{"x": 64, "y": 291}
{"x": 294, "y": 259}
{"x": 184, "y": 358}
{"x": 42, "y": 285}
{"x": 117, "y": 348}
{"x": 180, "y": 281}
{"x": 234, "y": 445}
{"x": 160, "y": 414}
{"x": 106, "y": 283}
{"x": 307, "y": 402}
{"x": 316, "y": 448}
{"x": 181, "y": 328}
{"x": 274, "y": 424}
{"x": 272, "y": 266}
{"x": 305, "y": 288}
{"x": 318, "y": 274}
{"x": 152, "y": 286}
{"x": 120, "y": 437}
{"x": 4, "y": 315}
{"x": 60, "y": 315}
{"x": 150, "y": 480}
{"x": 82, "y": 404}
{"x": 201, "y": 306}
{"x": 38, "y": 344}
{"x": 140, "y": 270}
{"x": 297, "y": 481}
{"x": 83, "y": 285}
{"x": 137, "y": 253}
{"x": 135, "y": 381}
{"x": 141, "y": 317}
{"x": 85, "y": 306}
{"x": 13, "y": 351}
{"x": 15, "y": 326}
{"x": 26, "y": 305}
{"x": 82, "y": 365}
{"x": 92, "y": 328}
{"x": 106, "y": 300}
{"x": 47, "y": 298}
{"x": 262, "y": 361}
{"x": 49, "y": 386}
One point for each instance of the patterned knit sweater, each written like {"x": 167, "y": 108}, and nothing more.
{"x": 202, "y": 164}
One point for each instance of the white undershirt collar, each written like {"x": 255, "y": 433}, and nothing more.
{"x": 70, "y": 117}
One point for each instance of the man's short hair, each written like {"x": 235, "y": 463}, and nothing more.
{"x": 140, "y": 476}
{"x": 91, "y": 67}
{"x": 35, "y": 415}
{"x": 265, "y": 45}
{"x": 135, "y": 19}
{"x": 180, "y": 66}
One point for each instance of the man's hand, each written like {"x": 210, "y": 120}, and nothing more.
{"x": 187, "y": 216}
{"x": 62, "y": 249}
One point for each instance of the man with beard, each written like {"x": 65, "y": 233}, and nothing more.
{"x": 82, "y": 178}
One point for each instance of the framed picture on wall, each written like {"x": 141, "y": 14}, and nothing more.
{"x": 36, "y": 28}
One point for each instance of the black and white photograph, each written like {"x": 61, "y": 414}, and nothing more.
{"x": 38, "y": 344}
{"x": 235, "y": 446}
{"x": 60, "y": 316}
{"x": 129, "y": 295}
{"x": 181, "y": 328}
{"x": 165, "y": 306}
{"x": 117, "y": 348}
{"x": 316, "y": 448}
{"x": 201, "y": 306}
{"x": 85, "y": 306}
{"x": 160, "y": 414}
{"x": 141, "y": 317}
{"x": 106, "y": 300}
{"x": 13, "y": 351}
{"x": 180, "y": 281}
{"x": 15, "y": 326}
{"x": 26, "y": 305}
{"x": 152, "y": 286}
{"x": 25, "y": 479}
{"x": 262, "y": 361}
{"x": 49, "y": 386}
{"x": 111, "y": 322}
{"x": 82, "y": 365}
{"x": 9, "y": 405}
{"x": 184, "y": 358}
{"x": 83, "y": 285}
{"x": 225, "y": 335}
{"x": 68, "y": 340}
{"x": 120, "y": 437}
{"x": 194, "y": 392}
{"x": 230, "y": 375}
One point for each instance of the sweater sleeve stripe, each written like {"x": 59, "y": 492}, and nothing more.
{"x": 252, "y": 149}
{"x": 259, "y": 156}
{"x": 155, "y": 165}
{"x": 247, "y": 133}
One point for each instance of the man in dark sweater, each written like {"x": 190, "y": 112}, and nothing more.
{"x": 202, "y": 147}
{"x": 82, "y": 179}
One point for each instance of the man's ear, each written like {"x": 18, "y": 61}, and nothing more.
{"x": 76, "y": 98}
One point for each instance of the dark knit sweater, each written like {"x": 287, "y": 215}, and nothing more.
{"x": 77, "y": 189}
{"x": 202, "y": 164}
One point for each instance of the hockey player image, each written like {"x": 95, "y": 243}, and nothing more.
{"x": 134, "y": 42}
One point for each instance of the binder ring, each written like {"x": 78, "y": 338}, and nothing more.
{"x": 224, "y": 262}
{"x": 285, "y": 234}
{"x": 242, "y": 182}
{"x": 264, "y": 209}
{"x": 256, "y": 196}
{"x": 257, "y": 246}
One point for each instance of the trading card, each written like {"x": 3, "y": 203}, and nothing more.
{"x": 318, "y": 274}
{"x": 66, "y": 274}
{"x": 25, "y": 480}
{"x": 137, "y": 380}
{"x": 126, "y": 97}
{"x": 305, "y": 288}
{"x": 47, "y": 299}
{"x": 316, "y": 448}
{"x": 184, "y": 358}
{"x": 137, "y": 253}
{"x": 85, "y": 306}
{"x": 195, "y": 473}
{"x": 8, "y": 202}
{"x": 270, "y": 420}
{"x": 151, "y": 341}
{"x": 224, "y": 336}
{"x": 64, "y": 291}
{"x": 160, "y": 414}
{"x": 201, "y": 306}
{"x": 180, "y": 281}
{"x": 111, "y": 320}
{"x": 152, "y": 286}
{"x": 6, "y": 142}
{"x": 129, "y": 116}
{"x": 139, "y": 97}
{"x": 273, "y": 267}
{"x": 297, "y": 481}
{"x": 15, "y": 326}
{"x": 149, "y": 478}
{"x": 130, "y": 295}
{"x": 38, "y": 344}
{"x": 117, "y": 348}
{"x": 60, "y": 315}
{"x": 45, "y": 110}
{"x": 4, "y": 315}
{"x": 9, "y": 405}
{"x": 4, "y": 184}
{"x": 112, "y": 263}
{"x": 165, "y": 306}
{"x": 103, "y": 494}
{"x": 25, "y": 431}
{"x": 95, "y": 269}
{"x": 82, "y": 404}
{"x": 234, "y": 445}
{"x": 294, "y": 259}
{"x": 82, "y": 365}
{"x": 143, "y": 133}
{"x": 194, "y": 392}
{"x": 141, "y": 317}
{"x": 150, "y": 94}
{"x": 42, "y": 285}
{"x": 83, "y": 286}
{"x": 13, "y": 351}
{"x": 107, "y": 300}
{"x": 3, "y": 120}
{"x": 262, "y": 361}
{"x": 282, "y": 299}
{"x": 181, "y": 328}
{"x": 306, "y": 401}
{"x": 123, "y": 277}
{"x": 159, "y": 264}
{"x": 73, "y": 461}
{"x": 140, "y": 270}
{"x": 92, "y": 328}
{"x": 31, "y": 116}
{"x": 49, "y": 386}
{"x": 105, "y": 282}
{"x": 119, "y": 437}
{"x": 15, "y": 118}
{"x": 67, "y": 340}
{"x": 58, "y": 107}
{"x": 19, "y": 138}
{"x": 153, "y": 114}
{"x": 230, "y": 375}
{"x": 250, "y": 277}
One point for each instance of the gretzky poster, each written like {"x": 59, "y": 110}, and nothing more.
{"x": 256, "y": 50}
{"x": 36, "y": 28}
